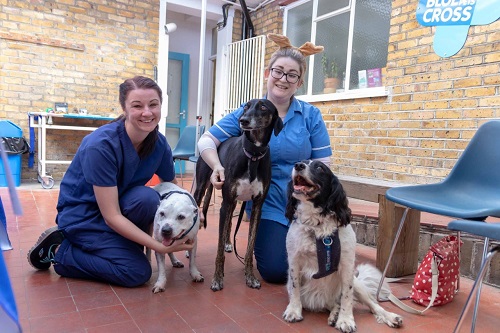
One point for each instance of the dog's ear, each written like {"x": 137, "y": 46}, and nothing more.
{"x": 291, "y": 204}
{"x": 338, "y": 203}
{"x": 278, "y": 125}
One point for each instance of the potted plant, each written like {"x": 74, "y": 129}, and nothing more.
{"x": 331, "y": 73}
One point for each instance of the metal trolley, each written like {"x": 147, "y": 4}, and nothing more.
{"x": 43, "y": 121}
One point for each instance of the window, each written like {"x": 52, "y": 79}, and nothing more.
{"x": 355, "y": 34}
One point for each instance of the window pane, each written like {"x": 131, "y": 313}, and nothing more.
{"x": 371, "y": 36}
{"x": 299, "y": 21}
{"x": 328, "y": 6}
{"x": 333, "y": 34}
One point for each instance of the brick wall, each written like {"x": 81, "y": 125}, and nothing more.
{"x": 71, "y": 51}
{"x": 416, "y": 134}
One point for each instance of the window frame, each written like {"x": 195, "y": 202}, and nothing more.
{"x": 348, "y": 93}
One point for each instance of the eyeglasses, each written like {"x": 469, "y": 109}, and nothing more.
{"x": 290, "y": 77}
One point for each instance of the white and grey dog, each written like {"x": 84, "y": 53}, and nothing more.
{"x": 177, "y": 217}
{"x": 321, "y": 247}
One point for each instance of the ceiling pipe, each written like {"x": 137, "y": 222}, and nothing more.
{"x": 248, "y": 21}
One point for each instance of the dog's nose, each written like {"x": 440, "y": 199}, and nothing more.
{"x": 244, "y": 121}
{"x": 299, "y": 166}
{"x": 166, "y": 231}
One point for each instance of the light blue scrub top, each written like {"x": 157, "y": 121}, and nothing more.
{"x": 304, "y": 136}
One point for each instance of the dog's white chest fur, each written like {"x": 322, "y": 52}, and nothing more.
{"x": 246, "y": 190}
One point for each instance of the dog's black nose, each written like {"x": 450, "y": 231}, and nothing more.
{"x": 244, "y": 121}
{"x": 166, "y": 230}
{"x": 300, "y": 166}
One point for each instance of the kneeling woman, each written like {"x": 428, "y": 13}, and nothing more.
{"x": 104, "y": 208}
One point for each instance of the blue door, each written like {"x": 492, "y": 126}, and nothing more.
{"x": 178, "y": 78}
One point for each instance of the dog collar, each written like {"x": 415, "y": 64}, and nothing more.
{"x": 166, "y": 195}
{"x": 328, "y": 252}
{"x": 253, "y": 152}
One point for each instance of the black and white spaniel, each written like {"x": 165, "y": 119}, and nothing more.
{"x": 321, "y": 247}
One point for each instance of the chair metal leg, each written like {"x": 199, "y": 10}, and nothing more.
{"x": 393, "y": 248}
{"x": 480, "y": 284}
{"x": 459, "y": 237}
{"x": 180, "y": 171}
{"x": 193, "y": 182}
{"x": 477, "y": 285}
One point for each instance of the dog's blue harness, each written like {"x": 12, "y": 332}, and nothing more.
{"x": 328, "y": 251}
{"x": 166, "y": 195}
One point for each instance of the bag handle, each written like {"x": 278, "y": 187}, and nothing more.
{"x": 434, "y": 290}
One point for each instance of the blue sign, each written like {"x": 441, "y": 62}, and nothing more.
{"x": 452, "y": 19}
{"x": 445, "y": 12}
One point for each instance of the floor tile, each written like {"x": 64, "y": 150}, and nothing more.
{"x": 104, "y": 315}
{"x": 124, "y": 327}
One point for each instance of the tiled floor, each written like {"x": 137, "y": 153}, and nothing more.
{"x": 49, "y": 303}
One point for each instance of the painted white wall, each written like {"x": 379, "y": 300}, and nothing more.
{"x": 162, "y": 66}
{"x": 224, "y": 37}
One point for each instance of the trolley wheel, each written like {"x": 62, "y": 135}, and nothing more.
{"x": 47, "y": 182}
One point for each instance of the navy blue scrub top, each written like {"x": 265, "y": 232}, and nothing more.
{"x": 106, "y": 157}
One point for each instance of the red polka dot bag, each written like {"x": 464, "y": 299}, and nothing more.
{"x": 445, "y": 256}
{"x": 437, "y": 279}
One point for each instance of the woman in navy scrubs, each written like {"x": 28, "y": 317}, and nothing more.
{"x": 104, "y": 209}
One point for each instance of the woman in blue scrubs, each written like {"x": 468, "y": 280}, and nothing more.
{"x": 104, "y": 208}
{"x": 304, "y": 136}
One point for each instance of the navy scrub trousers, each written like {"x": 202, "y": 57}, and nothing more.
{"x": 111, "y": 257}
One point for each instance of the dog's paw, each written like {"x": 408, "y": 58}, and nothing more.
{"x": 197, "y": 277}
{"x": 293, "y": 314}
{"x": 391, "y": 319}
{"x": 253, "y": 282}
{"x": 216, "y": 285}
{"x": 158, "y": 288}
{"x": 177, "y": 264}
{"x": 332, "y": 318}
{"x": 228, "y": 247}
{"x": 345, "y": 324}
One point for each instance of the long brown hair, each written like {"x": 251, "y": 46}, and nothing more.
{"x": 140, "y": 82}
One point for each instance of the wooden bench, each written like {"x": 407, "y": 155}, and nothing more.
{"x": 405, "y": 257}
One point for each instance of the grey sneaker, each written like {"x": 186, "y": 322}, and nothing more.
{"x": 41, "y": 255}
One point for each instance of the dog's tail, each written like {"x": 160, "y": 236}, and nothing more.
{"x": 370, "y": 277}
{"x": 206, "y": 202}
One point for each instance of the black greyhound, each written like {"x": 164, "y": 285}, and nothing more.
{"x": 247, "y": 164}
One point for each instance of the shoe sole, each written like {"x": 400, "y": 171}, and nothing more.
{"x": 42, "y": 238}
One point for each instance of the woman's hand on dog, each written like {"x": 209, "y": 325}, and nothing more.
{"x": 211, "y": 157}
{"x": 217, "y": 178}
{"x": 178, "y": 245}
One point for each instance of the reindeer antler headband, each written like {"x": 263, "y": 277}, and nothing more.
{"x": 306, "y": 49}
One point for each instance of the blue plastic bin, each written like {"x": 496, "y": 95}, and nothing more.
{"x": 9, "y": 129}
